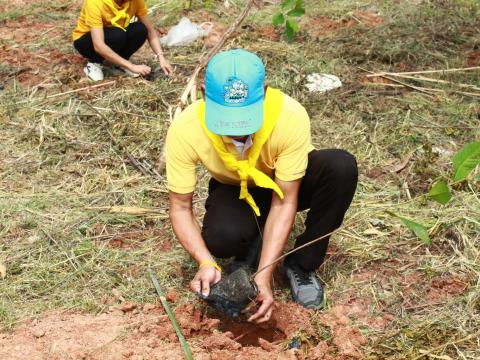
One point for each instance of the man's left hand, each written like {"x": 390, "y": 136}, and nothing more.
{"x": 165, "y": 65}
{"x": 265, "y": 300}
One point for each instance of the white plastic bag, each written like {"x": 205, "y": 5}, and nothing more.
{"x": 185, "y": 32}
{"x": 322, "y": 82}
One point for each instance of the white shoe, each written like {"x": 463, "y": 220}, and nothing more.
{"x": 94, "y": 71}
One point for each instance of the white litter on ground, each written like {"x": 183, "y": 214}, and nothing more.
{"x": 322, "y": 82}
{"x": 185, "y": 32}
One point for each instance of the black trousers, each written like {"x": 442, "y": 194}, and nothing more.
{"x": 229, "y": 225}
{"x": 124, "y": 43}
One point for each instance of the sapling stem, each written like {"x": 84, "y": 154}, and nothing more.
{"x": 291, "y": 252}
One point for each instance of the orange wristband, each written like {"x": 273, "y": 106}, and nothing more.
{"x": 210, "y": 262}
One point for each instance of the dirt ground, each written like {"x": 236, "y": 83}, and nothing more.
{"x": 143, "y": 331}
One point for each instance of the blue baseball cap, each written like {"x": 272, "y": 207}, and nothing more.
{"x": 234, "y": 93}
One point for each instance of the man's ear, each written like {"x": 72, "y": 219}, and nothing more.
{"x": 202, "y": 89}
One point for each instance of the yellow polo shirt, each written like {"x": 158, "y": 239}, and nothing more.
{"x": 284, "y": 155}
{"x": 97, "y": 14}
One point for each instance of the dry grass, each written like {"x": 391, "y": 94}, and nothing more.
{"x": 59, "y": 168}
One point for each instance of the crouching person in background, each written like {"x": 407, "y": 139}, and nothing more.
{"x": 105, "y": 32}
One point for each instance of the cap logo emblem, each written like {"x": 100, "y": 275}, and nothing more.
{"x": 235, "y": 91}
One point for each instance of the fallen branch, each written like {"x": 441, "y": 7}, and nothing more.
{"x": 383, "y": 75}
{"x": 438, "y": 81}
{"x": 171, "y": 316}
{"x": 190, "y": 89}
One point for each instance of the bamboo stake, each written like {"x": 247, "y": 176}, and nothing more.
{"x": 191, "y": 84}
{"x": 171, "y": 316}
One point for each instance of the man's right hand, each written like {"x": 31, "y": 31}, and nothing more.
{"x": 206, "y": 276}
{"x": 140, "y": 69}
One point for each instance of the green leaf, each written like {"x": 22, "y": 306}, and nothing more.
{"x": 287, "y": 4}
{"x": 420, "y": 230}
{"x": 293, "y": 24}
{"x": 298, "y": 10}
{"x": 278, "y": 19}
{"x": 466, "y": 160}
{"x": 440, "y": 192}
{"x": 291, "y": 27}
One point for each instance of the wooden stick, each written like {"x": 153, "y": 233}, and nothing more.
{"x": 439, "y": 81}
{"x": 422, "y": 90}
{"x": 190, "y": 88}
{"x": 425, "y": 71}
{"x": 171, "y": 316}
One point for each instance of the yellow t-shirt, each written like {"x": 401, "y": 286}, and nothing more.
{"x": 97, "y": 14}
{"x": 284, "y": 155}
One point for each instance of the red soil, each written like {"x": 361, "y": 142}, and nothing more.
{"x": 127, "y": 332}
{"x": 473, "y": 58}
{"x": 18, "y": 49}
{"x": 321, "y": 26}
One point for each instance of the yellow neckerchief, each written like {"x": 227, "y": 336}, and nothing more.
{"x": 246, "y": 168}
{"x": 119, "y": 14}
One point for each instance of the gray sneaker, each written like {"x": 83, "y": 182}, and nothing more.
{"x": 305, "y": 286}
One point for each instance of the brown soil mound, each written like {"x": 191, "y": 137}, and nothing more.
{"x": 130, "y": 331}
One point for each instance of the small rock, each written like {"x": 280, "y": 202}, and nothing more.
{"x": 229, "y": 334}
{"x": 161, "y": 319}
{"x": 149, "y": 307}
{"x": 38, "y": 333}
{"x": 127, "y": 306}
{"x": 127, "y": 353}
{"x": 115, "y": 310}
{"x": 266, "y": 345}
{"x": 172, "y": 295}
